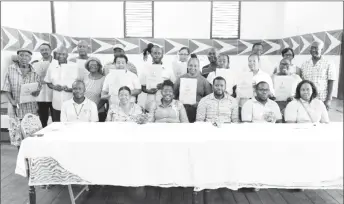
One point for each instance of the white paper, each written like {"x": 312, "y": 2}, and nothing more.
{"x": 69, "y": 74}
{"x": 283, "y": 87}
{"x": 154, "y": 76}
{"x": 245, "y": 85}
{"x": 179, "y": 68}
{"x": 41, "y": 68}
{"x": 118, "y": 80}
{"x": 25, "y": 92}
{"x": 188, "y": 91}
{"x": 228, "y": 75}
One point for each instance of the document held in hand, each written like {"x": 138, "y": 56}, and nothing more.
{"x": 154, "y": 76}
{"x": 283, "y": 87}
{"x": 69, "y": 74}
{"x": 188, "y": 91}
{"x": 25, "y": 92}
{"x": 245, "y": 85}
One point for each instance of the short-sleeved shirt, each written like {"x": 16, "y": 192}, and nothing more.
{"x": 319, "y": 74}
{"x": 225, "y": 109}
{"x": 130, "y": 66}
{"x": 203, "y": 87}
{"x": 56, "y": 75}
{"x": 94, "y": 89}
{"x": 175, "y": 112}
{"x": 42, "y": 67}
{"x": 13, "y": 81}
{"x": 255, "y": 111}
{"x": 295, "y": 112}
{"x": 113, "y": 82}
{"x": 84, "y": 112}
{"x": 229, "y": 82}
{"x": 116, "y": 114}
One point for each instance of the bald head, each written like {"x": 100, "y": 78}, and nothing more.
{"x": 212, "y": 55}
{"x": 316, "y": 49}
{"x": 62, "y": 55}
{"x": 82, "y": 47}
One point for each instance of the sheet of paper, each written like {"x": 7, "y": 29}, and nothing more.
{"x": 69, "y": 73}
{"x": 154, "y": 76}
{"x": 41, "y": 68}
{"x": 25, "y": 92}
{"x": 283, "y": 87}
{"x": 179, "y": 68}
{"x": 118, "y": 80}
{"x": 245, "y": 85}
{"x": 188, "y": 91}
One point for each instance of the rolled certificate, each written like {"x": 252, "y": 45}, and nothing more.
{"x": 188, "y": 91}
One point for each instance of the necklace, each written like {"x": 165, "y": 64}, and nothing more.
{"x": 78, "y": 114}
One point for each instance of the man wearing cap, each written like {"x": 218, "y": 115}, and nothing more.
{"x": 20, "y": 73}
{"x": 118, "y": 50}
{"x": 60, "y": 79}
{"x": 44, "y": 99}
{"x": 82, "y": 57}
{"x": 321, "y": 72}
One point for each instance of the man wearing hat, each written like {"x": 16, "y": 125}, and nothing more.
{"x": 118, "y": 50}
{"x": 19, "y": 73}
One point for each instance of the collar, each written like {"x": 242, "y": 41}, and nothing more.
{"x": 212, "y": 97}
{"x": 256, "y": 101}
{"x": 16, "y": 67}
{"x": 51, "y": 59}
{"x": 159, "y": 103}
{"x": 304, "y": 101}
{"x": 83, "y": 103}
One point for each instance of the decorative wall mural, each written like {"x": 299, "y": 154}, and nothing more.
{"x": 13, "y": 39}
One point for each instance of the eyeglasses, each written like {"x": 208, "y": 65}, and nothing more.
{"x": 183, "y": 54}
{"x": 264, "y": 90}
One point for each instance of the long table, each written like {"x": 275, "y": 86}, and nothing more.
{"x": 195, "y": 155}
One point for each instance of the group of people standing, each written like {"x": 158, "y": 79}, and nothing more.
{"x": 82, "y": 89}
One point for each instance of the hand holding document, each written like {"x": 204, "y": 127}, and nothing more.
{"x": 283, "y": 87}
{"x": 188, "y": 90}
{"x": 245, "y": 85}
{"x": 154, "y": 76}
{"x": 25, "y": 92}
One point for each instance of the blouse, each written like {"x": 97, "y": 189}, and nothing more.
{"x": 173, "y": 112}
{"x": 116, "y": 113}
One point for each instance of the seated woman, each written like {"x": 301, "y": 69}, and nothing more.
{"x": 305, "y": 108}
{"x": 288, "y": 53}
{"x": 167, "y": 110}
{"x": 125, "y": 110}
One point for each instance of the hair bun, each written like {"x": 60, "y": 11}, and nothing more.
{"x": 193, "y": 56}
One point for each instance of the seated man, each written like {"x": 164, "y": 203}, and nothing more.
{"x": 218, "y": 106}
{"x": 79, "y": 108}
{"x": 261, "y": 108}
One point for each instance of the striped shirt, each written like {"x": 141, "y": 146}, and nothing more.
{"x": 13, "y": 81}
{"x": 94, "y": 90}
{"x": 225, "y": 109}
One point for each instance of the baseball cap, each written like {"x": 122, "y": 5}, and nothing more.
{"x": 24, "y": 50}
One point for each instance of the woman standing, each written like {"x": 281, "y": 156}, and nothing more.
{"x": 203, "y": 87}
{"x": 306, "y": 108}
{"x": 94, "y": 83}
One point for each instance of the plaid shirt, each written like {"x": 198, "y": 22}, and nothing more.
{"x": 226, "y": 109}
{"x": 13, "y": 81}
{"x": 319, "y": 74}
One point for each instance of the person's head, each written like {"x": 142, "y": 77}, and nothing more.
{"x": 284, "y": 66}
{"x": 45, "y": 50}
{"x": 212, "y": 55}
{"x": 316, "y": 49}
{"x": 124, "y": 94}
{"x": 82, "y": 48}
{"x": 257, "y": 48}
{"x": 167, "y": 90}
{"x": 62, "y": 55}
{"x": 193, "y": 65}
{"x": 288, "y": 53}
{"x": 157, "y": 54}
{"x": 118, "y": 49}
{"x": 121, "y": 61}
{"x": 219, "y": 86}
{"x": 306, "y": 90}
{"x": 253, "y": 62}
{"x": 184, "y": 53}
{"x": 79, "y": 89}
{"x": 262, "y": 90}
{"x": 24, "y": 56}
{"x": 223, "y": 61}
{"x": 93, "y": 65}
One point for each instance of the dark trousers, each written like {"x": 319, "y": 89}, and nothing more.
{"x": 191, "y": 112}
{"x": 44, "y": 108}
{"x": 56, "y": 115}
{"x": 102, "y": 116}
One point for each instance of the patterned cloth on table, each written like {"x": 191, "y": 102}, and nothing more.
{"x": 319, "y": 74}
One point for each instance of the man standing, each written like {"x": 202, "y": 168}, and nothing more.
{"x": 79, "y": 108}
{"x": 60, "y": 78}
{"x": 212, "y": 57}
{"x": 321, "y": 72}
{"x": 44, "y": 99}
{"x": 80, "y": 60}
{"x": 260, "y": 108}
{"x": 118, "y": 50}
{"x": 218, "y": 106}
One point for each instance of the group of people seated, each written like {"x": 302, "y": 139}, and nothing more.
{"x": 81, "y": 89}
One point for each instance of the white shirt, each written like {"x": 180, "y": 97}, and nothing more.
{"x": 263, "y": 76}
{"x": 84, "y": 112}
{"x": 118, "y": 78}
{"x": 295, "y": 112}
{"x": 230, "y": 82}
{"x": 41, "y": 67}
{"x": 254, "y": 111}
{"x": 62, "y": 75}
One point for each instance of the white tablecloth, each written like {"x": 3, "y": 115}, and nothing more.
{"x": 198, "y": 155}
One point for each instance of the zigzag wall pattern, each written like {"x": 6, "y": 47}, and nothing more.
{"x": 13, "y": 39}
